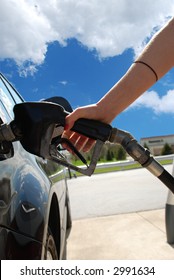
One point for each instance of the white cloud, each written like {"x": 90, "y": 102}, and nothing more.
{"x": 24, "y": 32}
{"x": 152, "y": 100}
{"x": 25, "y": 69}
{"x": 109, "y": 27}
{"x": 64, "y": 83}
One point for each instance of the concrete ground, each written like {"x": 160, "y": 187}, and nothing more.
{"x": 131, "y": 236}
{"x": 120, "y": 216}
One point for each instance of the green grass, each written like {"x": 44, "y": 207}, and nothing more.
{"x": 120, "y": 168}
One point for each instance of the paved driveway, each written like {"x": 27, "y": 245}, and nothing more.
{"x": 118, "y": 215}
{"x": 116, "y": 192}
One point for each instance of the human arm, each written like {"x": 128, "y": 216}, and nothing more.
{"x": 158, "y": 54}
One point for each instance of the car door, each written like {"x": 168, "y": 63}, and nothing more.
{"x": 30, "y": 188}
{"x": 24, "y": 187}
{"x": 7, "y": 168}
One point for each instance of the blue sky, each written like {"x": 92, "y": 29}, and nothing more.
{"x": 81, "y": 55}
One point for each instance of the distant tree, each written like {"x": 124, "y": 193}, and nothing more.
{"x": 109, "y": 155}
{"x": 121, "y": 154}
{"x": 109, "y": 152}
{"x": 146, "y": 146}
{"x": 167, "y": 150}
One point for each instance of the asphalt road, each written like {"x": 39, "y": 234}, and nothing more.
{"x": 116, "y": 193}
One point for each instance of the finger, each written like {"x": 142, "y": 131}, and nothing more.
{"x": 74, "y": 137}
{"x": 69, "y": 121}
{"x": 88, "y": 145}
{"x": 67, "y": 147}
{"x": 67, "y": 134}
{"x": 82, "y": 112}
{"x": 81, "y": 142}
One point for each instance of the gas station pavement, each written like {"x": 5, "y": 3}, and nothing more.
{"x": 131, "y": 236}
{"x": 118, "y": 216}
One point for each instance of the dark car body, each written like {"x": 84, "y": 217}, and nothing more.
{"x": 35, "y": 217}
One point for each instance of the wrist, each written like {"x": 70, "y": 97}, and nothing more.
{"x": 106, "y": 109}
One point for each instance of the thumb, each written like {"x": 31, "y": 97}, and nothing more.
{"x": 70, "y": 120}
{"x": 68, "y": 123}
{"x": 81, "y": 112}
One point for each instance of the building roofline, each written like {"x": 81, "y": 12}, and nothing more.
{"x": 160, "y": 136}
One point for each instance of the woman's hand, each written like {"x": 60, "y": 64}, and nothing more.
{"x": 81, "y": 142}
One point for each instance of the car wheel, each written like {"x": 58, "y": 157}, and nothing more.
{"x": 51, "y": 250}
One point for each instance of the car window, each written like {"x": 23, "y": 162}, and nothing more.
{"x": 14, "y": 93}
{"x": 8, "y": 96}
{"x": 4, "y": 118}
{"x": 6, "y": 99}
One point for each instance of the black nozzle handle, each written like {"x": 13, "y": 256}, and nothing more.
{"x": 93, "y": 129}
{"x": 34, "y": 115}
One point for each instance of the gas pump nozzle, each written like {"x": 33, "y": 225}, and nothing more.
{"x": 142, "y": 155}
{"x": 39, "y": 127}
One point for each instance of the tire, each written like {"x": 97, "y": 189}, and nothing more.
{"x": 50, "y": 250}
